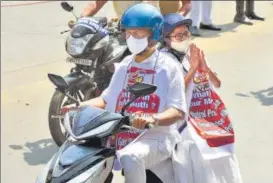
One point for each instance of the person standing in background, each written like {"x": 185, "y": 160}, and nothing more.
{"x": 182, "y": 7}
{"x": 120, "y": 6}
{"x": 244, "y": 17}
{"x": 204, "y": 8}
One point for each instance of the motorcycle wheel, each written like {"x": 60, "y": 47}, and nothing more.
{"x": 55, "y": 124}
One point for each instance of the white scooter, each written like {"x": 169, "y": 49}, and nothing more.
{"x": 84, "y": 157}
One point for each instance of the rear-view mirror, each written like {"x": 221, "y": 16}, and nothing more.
{"x": 58, "y": 81}
{"x": 142, "y": 89}
{"x": 66, "y": 6}
{"x": 139, "y": 90}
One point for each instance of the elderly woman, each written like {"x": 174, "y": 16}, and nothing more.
{"x": 205, "y": 163}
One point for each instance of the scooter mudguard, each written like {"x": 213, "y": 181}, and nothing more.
{"x": 79, "y": 163}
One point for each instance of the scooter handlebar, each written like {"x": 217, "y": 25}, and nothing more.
{"x": 147, "y": 126}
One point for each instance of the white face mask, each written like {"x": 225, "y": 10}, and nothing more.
{"x": 181, "y": 46}
{"x": 137, "y": 45}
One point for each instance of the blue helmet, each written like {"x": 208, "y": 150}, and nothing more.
{"x": 172, "y": 20}
{"x": 143, "y": 15}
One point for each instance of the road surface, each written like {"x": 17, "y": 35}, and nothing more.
{"x": 32, "y": 47}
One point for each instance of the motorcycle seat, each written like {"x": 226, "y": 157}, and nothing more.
{"x": 101, "y": 20}
{"x": 74, "y": 79}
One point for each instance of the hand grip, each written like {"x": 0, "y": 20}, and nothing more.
{"x": 131, "y": 119}
{"x": 71, "y": 24}
{"x": 149, "y": 125}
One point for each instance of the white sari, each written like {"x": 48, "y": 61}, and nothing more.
{"x": 196, "y": 167}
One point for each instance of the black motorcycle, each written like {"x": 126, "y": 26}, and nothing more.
{"x": 93, "y": 45}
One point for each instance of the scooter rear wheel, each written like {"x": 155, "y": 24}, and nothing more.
{"x": 150, "y": 177}
{"x": 109, "y": 178}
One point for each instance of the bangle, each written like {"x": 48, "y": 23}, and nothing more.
{"x": 156, "y": 120}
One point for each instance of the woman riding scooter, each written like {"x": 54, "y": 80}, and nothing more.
{"x": 143, "y": 25}
{"x": 219, "y": 166}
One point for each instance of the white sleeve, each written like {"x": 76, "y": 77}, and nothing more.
{"x": 176, "y": 92}
{"x": 185, "y": 66}
{"x": 113, "y": 90}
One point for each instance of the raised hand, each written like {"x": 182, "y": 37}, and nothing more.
{"x": 203, "y": 63}
{"x": 194, "y": 57}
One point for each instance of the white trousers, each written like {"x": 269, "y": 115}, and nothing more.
{"x": 203, "y": 9}
{"x": 148, "y": 151}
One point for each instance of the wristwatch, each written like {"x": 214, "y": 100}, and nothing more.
{"x": 156, "y": 122}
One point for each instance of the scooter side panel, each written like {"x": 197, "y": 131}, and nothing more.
{"x": 72, "y": 160}
{"x": 97, "y": 173}
{"x": 75, "y": 153}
